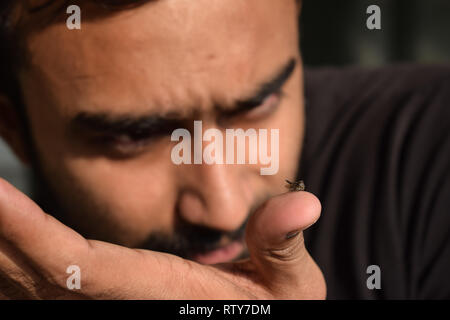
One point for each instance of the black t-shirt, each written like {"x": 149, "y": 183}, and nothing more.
{"x": 377, "y": 155}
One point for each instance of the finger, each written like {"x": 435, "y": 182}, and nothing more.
{"x": 38, "y": 240}
{"x": 275, "y": 240}
{"x": 17, "y": 278}
{"x": 107, "y": 270}
{"x": 37, "y": 235}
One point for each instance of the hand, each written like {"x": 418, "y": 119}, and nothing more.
{"x": 36, "y": 249}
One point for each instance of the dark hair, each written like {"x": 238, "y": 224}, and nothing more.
{"x": 11, "y": 50}
{"x": 7, "y": 50}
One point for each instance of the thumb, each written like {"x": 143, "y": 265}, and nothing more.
{"x": 275, "y": 241}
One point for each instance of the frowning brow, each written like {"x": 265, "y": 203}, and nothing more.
{"x": 135, "y": 125}
{"x": 267, "y": 88}
{"x": 125, "y": 124}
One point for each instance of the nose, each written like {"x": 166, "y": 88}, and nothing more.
{"x": 214, "y": 196}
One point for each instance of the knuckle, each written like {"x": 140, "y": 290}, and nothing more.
{"x": 293, "y": 250}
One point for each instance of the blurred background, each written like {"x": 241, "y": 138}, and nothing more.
{"x": 334, "y": 33}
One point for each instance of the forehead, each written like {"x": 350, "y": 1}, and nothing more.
{"x": 162, "y": 54}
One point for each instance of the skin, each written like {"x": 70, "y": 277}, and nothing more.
{"x": 184, "y": 57}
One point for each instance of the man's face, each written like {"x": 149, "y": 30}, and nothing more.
{"x": 103, "y": 101}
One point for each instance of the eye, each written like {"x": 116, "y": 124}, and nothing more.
{"x": 124, "y": 144}
{"x": 266, "y": 108}
{"x": 127, "y": 144}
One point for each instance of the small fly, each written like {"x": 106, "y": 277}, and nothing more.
{"x": 296, "y": 186}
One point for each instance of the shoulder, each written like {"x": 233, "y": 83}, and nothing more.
{"x": 377, "y": 154}
{"x": 352, "y": 100}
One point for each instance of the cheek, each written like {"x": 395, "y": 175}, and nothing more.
{"x": 291, "y": 134}
{"x": 136, "y": 186}
{"x": 133, "y": 197}
{"x": 290, "y": 122}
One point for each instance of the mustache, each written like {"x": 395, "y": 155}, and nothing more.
{"x": 188, "y": 239}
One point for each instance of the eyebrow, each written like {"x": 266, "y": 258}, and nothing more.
{"x": 148, "y": 125}
{"x": 135, "y": 127}
{"x": 274, "y": 85}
